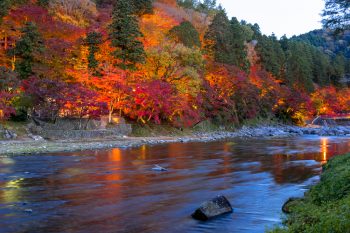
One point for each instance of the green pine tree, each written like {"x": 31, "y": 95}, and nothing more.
{"x": 5, "y": 6}
{"x": 238, "y": 39}
{"x": 338, "y": 65}
{"x": 186, "y": 34}
{"x": 299, "y": 66}
{"x": 93, "y": 41}
{"x": 143, "y": 6}
{"x": 271, "y": 54}
{"x": 26, "y": 49}
{"x": 124, "y": 35}
{"x": 321, "y": 67}
{"x": 225, "y": 41}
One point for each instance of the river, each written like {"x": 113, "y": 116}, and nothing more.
{"x": 116, "y": 190}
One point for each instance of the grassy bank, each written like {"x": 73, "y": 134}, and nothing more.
{"x": 326, "y": 207}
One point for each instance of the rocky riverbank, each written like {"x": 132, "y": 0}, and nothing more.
{"x": 27, "y": 147}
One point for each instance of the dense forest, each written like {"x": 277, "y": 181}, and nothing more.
{"x": 165, "y": 61}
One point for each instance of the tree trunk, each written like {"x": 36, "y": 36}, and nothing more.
{"x": 5, "y": 45}
{"x": 110, "y": 114}
{"x": 13, "y": 62}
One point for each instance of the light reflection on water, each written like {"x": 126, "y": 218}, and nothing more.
{"x": 116, "y": 191}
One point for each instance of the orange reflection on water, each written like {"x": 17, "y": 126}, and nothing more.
{"x": 115, "y": 155}
{"x": 143, "y": 152}
{"x": 324, "y": 149}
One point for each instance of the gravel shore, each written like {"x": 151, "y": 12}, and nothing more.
{"x": 27, "y": 147}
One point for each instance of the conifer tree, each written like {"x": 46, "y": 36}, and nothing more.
{"x": 239, "y": 53}
{"x": 299, "y": 66}
{"x": 143, "y": 7}
{"x": 271, "y": 54}
{"x": 4, "y": 7}
{"x": 93, "y": 40}
{"x": 26, "y": 48}
{"x": 339, "y": 70}
{"x": 336, "y": 14}
{"x": 225, "y": 41}
{"x": 186, "y": 34}
{"x": 124, "y": 35}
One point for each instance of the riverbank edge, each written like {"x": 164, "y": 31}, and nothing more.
{"x": 29, "y": 147}
{"x": 325, "y": 207}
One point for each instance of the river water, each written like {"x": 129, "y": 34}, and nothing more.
{"x": 116, "y": 190}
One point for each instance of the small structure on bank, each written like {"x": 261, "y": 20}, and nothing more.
{"x": 332, "y": 120}
{"x": 73, "y": 128}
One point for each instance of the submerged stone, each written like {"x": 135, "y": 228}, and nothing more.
{"x": 213, "y": 208}
{"x": 158, "y": 168}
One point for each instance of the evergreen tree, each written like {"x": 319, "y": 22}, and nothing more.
{"x": 4, "y": 7}
{"x": 337, "y": 14}
{"x": 207, "y": 6}
{"x": 189, "y": 4}
{"x": 225, "y": 41}
{"x": 93, "y": 41}
{"x": 321, "y": 67}
{"x": 44, "y": 3}
{"x": 239, "y": 53}
{"x": 26, "y": 48}
{"x": 256, "y": 30}
{"x": 284, "y": 42}
{"x": 124, "y": 35}
{"x": 299, "y": 66}
{"x": 218, "y": 38}
{"x": 271, "y": 54}
{"x": 143, "y": 6}
{"x": 338, "y": 64}
{"x": 186, "y": 34}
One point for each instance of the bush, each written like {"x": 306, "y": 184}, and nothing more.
{"x": 326, "y": 207}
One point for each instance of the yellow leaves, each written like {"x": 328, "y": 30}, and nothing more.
{"x": 175, "y": 64}
{"x": 76, "y": 12}
{"x": 155, "y": 27}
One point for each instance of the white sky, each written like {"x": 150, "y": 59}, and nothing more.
{"x": 290, "y": 17}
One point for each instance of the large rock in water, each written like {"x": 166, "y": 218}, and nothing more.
{"x": 215, "y": 207}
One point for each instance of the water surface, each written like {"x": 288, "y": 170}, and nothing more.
{"x": 116, "y": 190}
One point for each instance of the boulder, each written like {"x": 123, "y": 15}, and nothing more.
{"x": 8, "y": 134}
{"x": 213, "y": 208}
{"x": 35, "y": 137}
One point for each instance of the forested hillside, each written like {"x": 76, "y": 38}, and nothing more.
{"x": 175, "y": 62}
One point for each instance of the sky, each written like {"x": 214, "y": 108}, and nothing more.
{"x": 290, "y": 17}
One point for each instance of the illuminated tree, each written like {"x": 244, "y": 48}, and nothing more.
{"x": 152, "y": 102}
{"x": 8, "y": 91}
{"x": 175, "y": 64}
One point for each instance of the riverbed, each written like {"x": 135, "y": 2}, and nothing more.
{"x": 115, "y": 190}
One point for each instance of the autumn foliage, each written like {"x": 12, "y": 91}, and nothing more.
{"x": 77, "y": 69}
